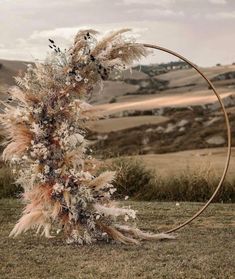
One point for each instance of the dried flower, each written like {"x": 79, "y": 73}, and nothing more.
{"x": 46, "y": 134}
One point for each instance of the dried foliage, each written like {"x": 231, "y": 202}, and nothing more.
{"x": 196, "y": 184}
{"x": 46, "y": 127}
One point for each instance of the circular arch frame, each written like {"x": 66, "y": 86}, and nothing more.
{"x": 202, "y": 209}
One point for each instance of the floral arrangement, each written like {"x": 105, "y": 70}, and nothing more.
{"x": 45, "y": 126}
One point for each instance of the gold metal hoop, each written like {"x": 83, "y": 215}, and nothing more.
{"x": 199, "y": 212}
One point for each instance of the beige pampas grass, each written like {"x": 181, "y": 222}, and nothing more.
{"x": 20, "y": 139}
{"x": 114, "y": 211}
{"x": 117, "y": 235}
{"x": 137, "y": 233}
{"x": 17, "y": 94}
{"x": 104, "y": 44}
{"x": 102, "y": 180}
{"x": 56, "y": 210}
{"x": 80, "y": 43}
{"x": 28, "y": 221}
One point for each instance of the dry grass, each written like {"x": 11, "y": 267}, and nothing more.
{"x": 139, "y": 182}
{"x": 135, "y": 180}
{"x": 7, "y": 186}
{"x": 203, "y": 250}
{"x": 165, "y": 164}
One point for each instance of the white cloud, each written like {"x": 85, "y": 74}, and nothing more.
{"x": 219, "y": 2}
{"x": 163, "y": 3}
{"x": 36, "y": 45}
{"x": 66, "y": 33}
{"x": 158, "y": 13}
{"x": 164, "y": 13}
{"x": 221, "y": 15}
{"x": 25, "y": 26}
{"x": 159, "y": 3}
{"x": 178, "y": 36}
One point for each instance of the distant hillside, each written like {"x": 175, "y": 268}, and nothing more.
{"x": 162, "y": 68}
{"x": 9, "y": 69}
{"x": 187, "y": 77}
{"x": 140, "y": 81}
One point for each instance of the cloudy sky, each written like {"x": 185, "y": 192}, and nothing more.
{"x": 202, "y": 30}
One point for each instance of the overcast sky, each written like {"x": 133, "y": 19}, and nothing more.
{"x": 202, "y": 30}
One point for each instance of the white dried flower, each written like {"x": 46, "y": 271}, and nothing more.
{"x": 86, "y": 175}
{"x": 32, "y": 154}
{"x": 25, "y": 118}
{"x": 41, "y": 177}
{"x": 38, "y": 110}
{"x": 40, "y": 150}
{"x": 63, "y": 130}
{"x": 36, "y": 129}
{"x": 15, "y": 159}
{"x": 126, "y": 218}
{"x": 75, "y": 139}
{"x": 46, "y": 169}
{"x": 69, "y": 240}
{"x": 112, "y": 190}
{"x": 58, "y": 187}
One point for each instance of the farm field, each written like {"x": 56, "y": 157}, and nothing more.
{"x": 116, "y": 124}
{"x": 173, "y": 100}
{"x": 212, "y": 159}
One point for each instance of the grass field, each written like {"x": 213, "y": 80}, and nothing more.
{"x": 203, "y": 250}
